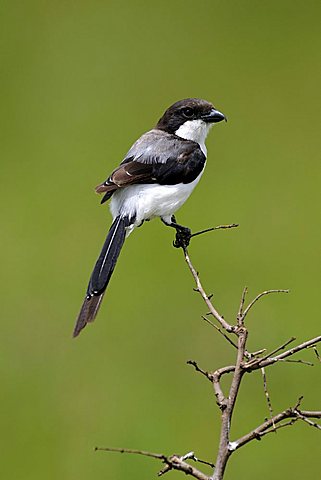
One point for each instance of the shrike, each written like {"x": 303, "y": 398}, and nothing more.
{"x": 158, "y": 174}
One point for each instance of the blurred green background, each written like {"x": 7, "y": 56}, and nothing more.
{"x": 80, "y": 82}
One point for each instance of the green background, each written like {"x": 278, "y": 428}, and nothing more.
{"x": 80, "y": 81}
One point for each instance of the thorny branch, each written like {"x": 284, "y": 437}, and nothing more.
{"x": 246, "y": 362}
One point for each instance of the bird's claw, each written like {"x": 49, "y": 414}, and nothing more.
{"x": 183, "y": 237}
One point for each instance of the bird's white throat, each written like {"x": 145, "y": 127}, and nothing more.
{"x": 196, "y": 130}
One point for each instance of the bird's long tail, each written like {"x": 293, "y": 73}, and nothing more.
{"x": 102, "y": 272}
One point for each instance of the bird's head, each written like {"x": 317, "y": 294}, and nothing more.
{"x": 191, "y": 119}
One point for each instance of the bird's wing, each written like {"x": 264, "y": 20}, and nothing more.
{"x": 156, "y": 157}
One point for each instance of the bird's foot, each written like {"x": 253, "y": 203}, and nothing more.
{"x": 183, "y": 237}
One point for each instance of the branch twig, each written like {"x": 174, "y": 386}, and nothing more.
{"x": 219, "y": 227}
{"x": 173, "y": 462}
{"x": 288, "y": 353}
{"x": 267, "y": 395}
{"x": 264, "y": 428}
{"x": 267, "y": 292}
{"x": 208, "y": 302}
{"x": 200, "y": 370}
{"x": 219, "y": 330}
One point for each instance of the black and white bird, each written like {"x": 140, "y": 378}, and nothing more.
{"x": 158, "y": 174}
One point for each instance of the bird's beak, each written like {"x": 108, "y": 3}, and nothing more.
{"x": 214, "y": 116}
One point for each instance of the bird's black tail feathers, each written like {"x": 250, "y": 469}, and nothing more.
{"x": 102, "y": 272}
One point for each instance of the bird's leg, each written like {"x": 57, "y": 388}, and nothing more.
{"x": 183, "y": 234}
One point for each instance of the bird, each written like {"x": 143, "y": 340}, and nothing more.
{"x": 157, "y": 175}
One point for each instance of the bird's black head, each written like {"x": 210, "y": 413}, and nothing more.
{"x": 189, "y": 110}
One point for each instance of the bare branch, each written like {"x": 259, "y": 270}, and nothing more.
{"x": 269, "y": 360}
{"x": 266, "y": 292}
{"x": 305, "y": 419}
{"x": 219, "y": 227}
{"x": 216, "y": 377}
{"x": 282, "y": 347}
{"x": 187, "y": 456}
{"x": 198, "y": 369}
{"x": 311, "y": 414}
{"x": 219, "y": 330}
{"x": 174, "y": 462}
{"x": 267, "y": 395}
{"x": 292, "y": 351}
{"x": 229, "y": 403}
{"x": 258, "y": 432}
{"x": 258, "y": 352}
{"x": 240, "y": 312}
{"x": 277, "y": 427}
{"x": 158, "y": 456}
{"x": 314, "y": 348}
{"x": 247, "y": 354}
{"x": 210, "y": 464}
{"x": 268, "y": 355}
{"x": 303, "y": 362}
{"x": 212, "y": 309}
{"x": 245, "y": 363}
{"x": 298, "y": 403}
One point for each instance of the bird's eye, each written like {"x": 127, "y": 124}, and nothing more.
{"x": 188, "y": 112}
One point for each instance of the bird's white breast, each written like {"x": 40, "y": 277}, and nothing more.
{"x": 148, "y": 201}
